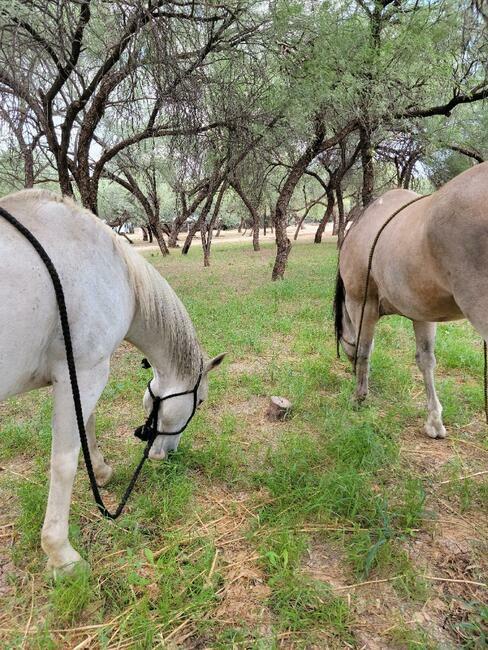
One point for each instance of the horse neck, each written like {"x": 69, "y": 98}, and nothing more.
{"x": 158, "y": 336}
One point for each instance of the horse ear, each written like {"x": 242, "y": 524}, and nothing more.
{"x": 215, "y": 362}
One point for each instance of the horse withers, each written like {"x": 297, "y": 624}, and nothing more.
{"x": 111, "y": 294}
{"x": 430, "y": 264}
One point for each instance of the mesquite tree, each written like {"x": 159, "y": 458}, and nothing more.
{"x": 79, "y": 66}
{"x": 233, "y": 87}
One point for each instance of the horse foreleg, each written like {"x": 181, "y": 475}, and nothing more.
{"x": 103, "y": 472}
{"x": 425, "y": 358}
{"x": 64, "y": 460}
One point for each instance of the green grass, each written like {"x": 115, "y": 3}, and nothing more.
{"x": 331, "y": 475}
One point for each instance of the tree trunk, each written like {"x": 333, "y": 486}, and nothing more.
{"x": 299, "y": 224}
{"x": 205, "y": 233}
{"x": 327, "y": 214}
{"x": 265, "y": 219}
{"x": 252, "y": 211}
{"x": 198, "y": 223}
{"x": 208, "y": 231}
{"x": 192, "y": 230}
{"x": 89, "y": 198}
{"x": 283, "y": 244}
{"x": 28, "y": 156}
{"x": 180, "y": 220}
{"x": 158, "y": 233}
{"x": 255, "y": 236}
{"x": 175, "y": 230}
{"x": 367, "y": 165}
{"x": 339, "y": 223}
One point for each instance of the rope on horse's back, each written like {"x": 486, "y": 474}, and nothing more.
{"x": 365, "y": 299}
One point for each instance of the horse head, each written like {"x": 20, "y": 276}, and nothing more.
{"x": 170, "y": 406}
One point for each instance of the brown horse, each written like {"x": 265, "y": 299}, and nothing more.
{"x": 430, "y": 265}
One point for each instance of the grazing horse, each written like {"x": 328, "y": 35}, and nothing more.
{"x": 111, "y": 294}
{"x": 430, "y": 265}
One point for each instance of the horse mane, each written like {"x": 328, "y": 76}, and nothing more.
{"x": 160, "y": 305}
{"x": 339, "y": 297}
{"x": 156, "y": 300}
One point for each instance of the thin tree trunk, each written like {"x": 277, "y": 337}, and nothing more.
{"x": 28, "y": 166}
{"x": 208, "y": 230}
{"x": 327, "y": 214}
{"x": 198, "y": 223}
{"x": 367, "y": 165}
{"x": 305, "y": 214}
{"x": 158, "y": 233}
{"x": 300, "y": 223}
{"x": 255, "y": 236}
{"x": 283, "y": 244}
{"x": 340, "y": 220}
{"x": 176, "y": 227}
{"x": 181, "y": 219}
{"x": 252, "y": 211}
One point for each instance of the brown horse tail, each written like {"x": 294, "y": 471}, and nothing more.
{"x": 339, "y": 296}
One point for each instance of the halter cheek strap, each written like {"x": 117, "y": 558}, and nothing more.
{"x": 149, "y": 430}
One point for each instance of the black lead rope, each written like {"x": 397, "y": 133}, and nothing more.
{"x": 485, "y": 383}
{"x": 149, "y": 431}
{"x": 365, "y": 299}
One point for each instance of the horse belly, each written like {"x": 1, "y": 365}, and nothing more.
{"x": 28, "y": 321}
{"x": 420, "y": 303}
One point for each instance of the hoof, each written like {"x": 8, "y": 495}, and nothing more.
{"x": 437, "y": 430}
{"x": 104, "y": 476}
{"x": 75, "y": 563}
{"x": 358, "y": 399}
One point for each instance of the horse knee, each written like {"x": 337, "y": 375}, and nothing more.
{"x": 425, "y": 360}
{"x": 64, "y": 465}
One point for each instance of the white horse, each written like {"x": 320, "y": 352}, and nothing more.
{"x": 111, "y": 294}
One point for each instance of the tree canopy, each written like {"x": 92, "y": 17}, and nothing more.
{"x": 178, "y": 110}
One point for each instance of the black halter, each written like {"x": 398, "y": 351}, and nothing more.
{"x": 149, "y": 430}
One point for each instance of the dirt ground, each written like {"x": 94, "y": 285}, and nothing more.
{"x": 233, "y": 236}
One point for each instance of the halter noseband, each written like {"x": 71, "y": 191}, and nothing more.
{"x": 149, "y": 430}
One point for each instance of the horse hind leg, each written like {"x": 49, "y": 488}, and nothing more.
{"x": 103, "y": 471}
{"x": 425, "y": 339}
{"x": 365, "y": 347}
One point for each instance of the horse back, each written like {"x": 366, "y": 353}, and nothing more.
{"x": 94, "y": 280}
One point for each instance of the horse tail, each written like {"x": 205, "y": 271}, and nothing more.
{"x": 338, "y": 307}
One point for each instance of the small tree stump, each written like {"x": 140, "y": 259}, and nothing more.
{"x": 279, "y": 408}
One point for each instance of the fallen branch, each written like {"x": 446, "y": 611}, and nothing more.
{"x": 461, "y": 478}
